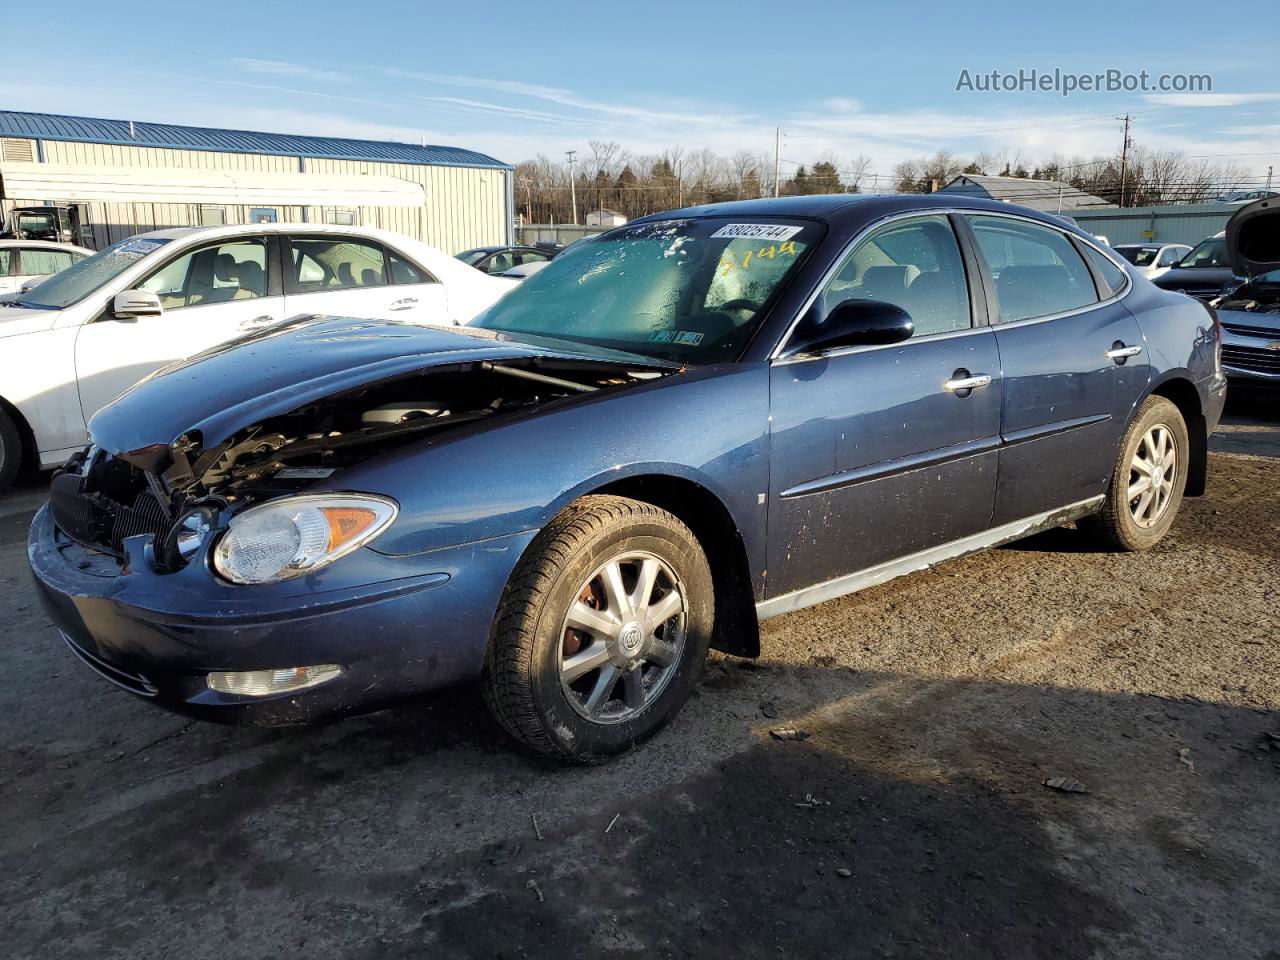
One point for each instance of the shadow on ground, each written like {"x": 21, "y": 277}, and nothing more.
{"x": 910, "y": 821}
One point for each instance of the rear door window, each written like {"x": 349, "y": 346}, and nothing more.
{"x": 401, "y": 271}
{"x": 38, "y": 262}
{"x": 337, "y": 263}
{"x": 1036, "y": 269}
{"x": 1111, "y": 277}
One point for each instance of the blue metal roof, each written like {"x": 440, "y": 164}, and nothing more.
{"x": 51, "y": 126}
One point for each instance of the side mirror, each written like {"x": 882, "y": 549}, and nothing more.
{"x": 136, "y": 303}
{"x": 855, "y": 323}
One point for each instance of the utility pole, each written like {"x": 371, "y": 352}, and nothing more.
{"x": 573, "y": 188}
{"x": 1124, "y": 156}
{"x": 1268, "y": 178}
{"x": 777, "y": 158}
{"x": 528, "y": 198}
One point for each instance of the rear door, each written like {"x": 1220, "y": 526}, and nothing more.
{"x": 359, "y": 277}
{"x": 209, "y": 295}
{"x": 1072, "y": 357}
{"x": 876, "y": 453}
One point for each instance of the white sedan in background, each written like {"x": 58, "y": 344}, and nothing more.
{"x": 1153, "y": 259}
{"x": 23, "y": 263}
{"x": 73, "y": 343}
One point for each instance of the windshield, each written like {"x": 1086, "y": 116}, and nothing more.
{"x": 80, "y": 279}
{"x": 691, "y": 291}
{"x": 1208, "y": 253}
{"x": 472, "y": 257}
{"x": 1138, "y": 256}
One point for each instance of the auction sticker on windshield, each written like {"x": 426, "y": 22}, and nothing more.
{"x": 756, "y": 231}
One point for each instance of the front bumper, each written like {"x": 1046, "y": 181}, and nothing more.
{"x": 399, "y": 626}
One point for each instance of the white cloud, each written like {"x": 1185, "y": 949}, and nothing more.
{"x": 1209, "y": 99}
{"x": 567, "y": 98}
{"x": 284, "y": 69}
{"x": 842, "y": 104}
{"x": 485, "y": 107}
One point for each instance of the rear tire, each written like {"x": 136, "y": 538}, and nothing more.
{"x": 1147, "y": 483}
{"x": 10, "y": 451}
{"x": 602, "y": 630}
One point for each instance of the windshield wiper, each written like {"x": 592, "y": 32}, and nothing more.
{"x": 25, "y": 305}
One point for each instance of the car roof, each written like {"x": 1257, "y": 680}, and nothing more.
{"x": 44, "y": 245}
{"x": 231, "y": 229}
{"x": 500, "y": 247}
{"x": 850, "y": 211}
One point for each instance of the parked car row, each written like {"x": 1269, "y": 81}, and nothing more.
{"x": 689, "y": 424}
{"x": 74, "y": 342}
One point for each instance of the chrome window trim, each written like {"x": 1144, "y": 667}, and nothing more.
{"x": 846, "y": 351}
{"x": 830, "y": 273}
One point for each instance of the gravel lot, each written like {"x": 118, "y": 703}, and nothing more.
{"x": 912, "y": 821}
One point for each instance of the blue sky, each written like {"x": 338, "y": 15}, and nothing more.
{"x": 516, "y": 80}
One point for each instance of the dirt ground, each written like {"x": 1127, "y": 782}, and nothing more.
{"x": 912, "y": 821}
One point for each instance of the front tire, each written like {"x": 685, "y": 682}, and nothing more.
{"x": 10, "y": 451}
{"x": 1147, "y": 483}
{"x": 602, "y": 630}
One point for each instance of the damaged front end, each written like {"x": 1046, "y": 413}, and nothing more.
{"x": 1250, "y": 312}
{"x": 177, "y": 494}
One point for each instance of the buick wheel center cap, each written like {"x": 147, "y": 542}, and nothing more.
{"x": 631, "y": 639}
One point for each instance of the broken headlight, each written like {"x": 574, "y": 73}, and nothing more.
{"x": 295, "y": 535}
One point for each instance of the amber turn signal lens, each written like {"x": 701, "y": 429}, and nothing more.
{"x": 347, "y": 523}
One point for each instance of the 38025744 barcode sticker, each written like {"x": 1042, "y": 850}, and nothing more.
{"x": 756, "y": 231}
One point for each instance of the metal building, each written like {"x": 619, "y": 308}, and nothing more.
{"x": 125, "y": 177}
{"x": 1047, "y": 195}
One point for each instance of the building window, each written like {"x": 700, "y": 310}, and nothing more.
{"x": 212, "y": 216}
{"x": 340, "y": 216}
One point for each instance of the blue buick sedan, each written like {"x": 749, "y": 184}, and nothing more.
{"x": 696, "y": 421}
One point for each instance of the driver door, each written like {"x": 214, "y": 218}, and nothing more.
{"x": 209, "y": 295}
{"x": 877, "y": 453}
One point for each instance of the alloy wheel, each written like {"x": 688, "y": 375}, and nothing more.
{"x": 622, "y": 637}
{"x": 1152, "y": 472}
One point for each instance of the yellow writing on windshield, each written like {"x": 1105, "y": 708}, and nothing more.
{"x": 729, "y": 261}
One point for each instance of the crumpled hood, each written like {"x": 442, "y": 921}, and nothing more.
{"x": 280, "y": 369}
{"x": 1253, "y": 239}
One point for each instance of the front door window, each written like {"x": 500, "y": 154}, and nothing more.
{"x": 235, "y": 270}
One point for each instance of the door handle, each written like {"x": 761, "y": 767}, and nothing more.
{"x": 1120, "y": 353}
{"x": 257, "y": 321}
{"x": 406, "y": 304}
{"x": 963, "y": 384}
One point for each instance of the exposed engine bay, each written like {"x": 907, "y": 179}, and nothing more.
{"x": 101, "y": 500}
{"x": 1251, "y": 298}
